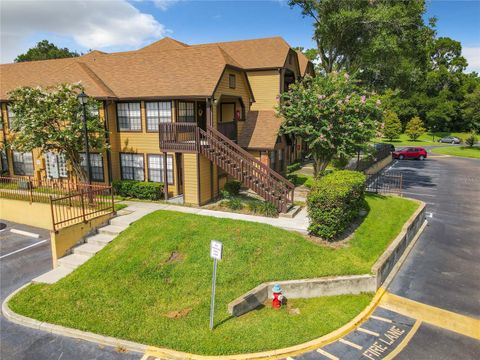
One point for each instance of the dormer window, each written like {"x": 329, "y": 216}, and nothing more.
{"x": 232, "y": 81}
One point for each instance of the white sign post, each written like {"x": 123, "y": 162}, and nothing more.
{"x": 216, "y": 248}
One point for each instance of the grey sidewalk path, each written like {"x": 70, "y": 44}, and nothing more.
{"x": 299, "y": 223}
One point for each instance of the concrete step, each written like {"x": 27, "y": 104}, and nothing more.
{"x": 73, "y": 261}
{"x": 53, "y": 275}
{"x": 100, "y": 239}
{"x": 292, "y": 212}
{"x": 112, "y": 229}
{"x": 87, "y": 249}
{"x": 126, "y": 220}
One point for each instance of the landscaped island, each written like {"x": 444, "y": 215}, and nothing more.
{"x": 152, "y": 283}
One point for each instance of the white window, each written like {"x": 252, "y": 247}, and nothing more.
{"x": 10, "y": 116}
{"x": 22, "y": 163}
{"x": 56, "y": 165}
{"x": 129, "y": 116}
{"x": 96, "y": 166}
{"x": 155, "y": 168}
{"x": 131, "y": 166}
{"x": 186, "y": 111}
{"x": 158, "y": 112}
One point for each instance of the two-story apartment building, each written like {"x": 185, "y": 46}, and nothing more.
{"x": 189, "y": 116}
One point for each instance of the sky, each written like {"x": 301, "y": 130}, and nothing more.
{"x": 118, "y": 25}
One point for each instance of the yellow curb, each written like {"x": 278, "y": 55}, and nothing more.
{"x": 439, "y": 317}
{"x": 404, "y": 342}
{"x": 279, "y": 353}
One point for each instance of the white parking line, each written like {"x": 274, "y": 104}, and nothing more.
{"x": 349, "y": 343}
{"x": 369, "y": 332}
{"x": 22, "y": 249}
{"x": 380, "y": 318}
{"x": 25, "y": 233}
{"x": 328, "y": 355}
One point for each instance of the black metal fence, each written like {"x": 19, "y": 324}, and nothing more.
{"x": 384, "y": 183}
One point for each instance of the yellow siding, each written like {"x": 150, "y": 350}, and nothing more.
{"x": 223, "y": 91}
{"x": 141, "y": 142}
{"x": 205, "y": 180}
{"x": 265, "y": 86}
{"x": 190, "y": 181}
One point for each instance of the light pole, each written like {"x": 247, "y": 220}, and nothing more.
{"x": 82, "y": 99}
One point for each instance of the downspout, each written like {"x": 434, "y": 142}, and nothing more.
{"x": 107, "y": 140}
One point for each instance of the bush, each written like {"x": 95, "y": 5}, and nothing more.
{"x": 268, "y": 209}
{"x": 233, "y": 187}
{"x": 234, "y": 203}
{"x": 471, "y": 139}
{"x": 334, "y": 202}
{"x": 293, "y": 167}
{"x": 138, "y": 189}
{"x": 253, "y": 207}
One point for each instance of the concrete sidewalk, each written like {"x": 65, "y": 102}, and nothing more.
{"x": 299, "y": 223}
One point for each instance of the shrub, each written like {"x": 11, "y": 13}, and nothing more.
{"x": 471, "y": 139}
{"x": 335, "y": 200}
{"x": 234, "y": 203}
{"x": 414, "y": 128}
{"x": 138, "y": 189}
{"x": 268, "y": 209}
{"x": 392, "y": 127}
{"x": 293, "y": 167}
{"x": 233, "y": 187}
{"x": 253, "y": 207}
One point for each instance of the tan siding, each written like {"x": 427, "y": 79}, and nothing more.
{"x": 190, "y": 181}
{"x": 265, "y": 86}
{"x": 223, "y": 90}
{"x": 205, "y": 180}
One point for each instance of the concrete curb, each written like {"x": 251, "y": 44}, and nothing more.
{"x": 173, "y": 354}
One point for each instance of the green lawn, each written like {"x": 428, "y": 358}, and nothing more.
{"x": 470, "y": 152}
{"x": 152, "y": 283}
{"x": 424, "y": 140}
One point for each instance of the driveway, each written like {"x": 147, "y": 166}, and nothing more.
{"x": 22, "y": 258}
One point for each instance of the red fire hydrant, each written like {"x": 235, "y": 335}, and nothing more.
{"x": 277, "y": 297}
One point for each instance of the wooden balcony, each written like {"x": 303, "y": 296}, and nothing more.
{"x": 178, "y": 137}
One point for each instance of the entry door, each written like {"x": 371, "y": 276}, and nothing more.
{"x": 201, "y": 115}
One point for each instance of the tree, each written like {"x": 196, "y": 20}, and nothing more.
{"x": 385, "y": 42}
{"x": 471, "y": 110}
{"x": 414, "y": 128}
{"x": 311, "y": 54}
{"x": 45, "y": 50}
{"x": 392, "y": 127}
{"x": 51, "y": 120}
{"x": 331, "y": 114}
{"x": 471, "y": 139}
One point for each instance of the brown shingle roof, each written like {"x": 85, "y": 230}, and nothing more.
{"x": 167, "y": 43}
{"x": 260, "y": 130}
{"x": 263, "y": 53}
{"x": 303, "y": 62}
{"x": 186, "y": 71}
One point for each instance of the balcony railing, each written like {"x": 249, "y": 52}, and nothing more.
{"x": 178, "y": 137}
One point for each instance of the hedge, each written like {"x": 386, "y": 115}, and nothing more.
{"x": 334, "y": 202}
{"x": 232, "y": 187}
{"x": 138, "y": 189}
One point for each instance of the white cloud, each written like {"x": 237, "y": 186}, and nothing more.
{"x": 472, "y": 54}
{"x": 164, "y": 4}
{"x": 91, "y": 24}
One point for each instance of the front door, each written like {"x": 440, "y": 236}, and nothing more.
{"x": 201, "y": 115}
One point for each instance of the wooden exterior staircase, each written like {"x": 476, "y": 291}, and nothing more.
{"x": 233, "y": 159}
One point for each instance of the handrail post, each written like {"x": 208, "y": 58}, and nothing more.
{"x": 52, "y": 213}
{"x": 113, "y": 200}
{"x": 83, "y": 206}
{"x": 30, "y": 188}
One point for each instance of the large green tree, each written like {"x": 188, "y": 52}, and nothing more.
{"x": 383, "y": 41}
{"x": 51, "y": 120}
{"x": 331, "y": 114}
{"x": 45, "y": 50}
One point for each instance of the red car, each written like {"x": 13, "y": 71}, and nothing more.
{"x": 410, "y": 153}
